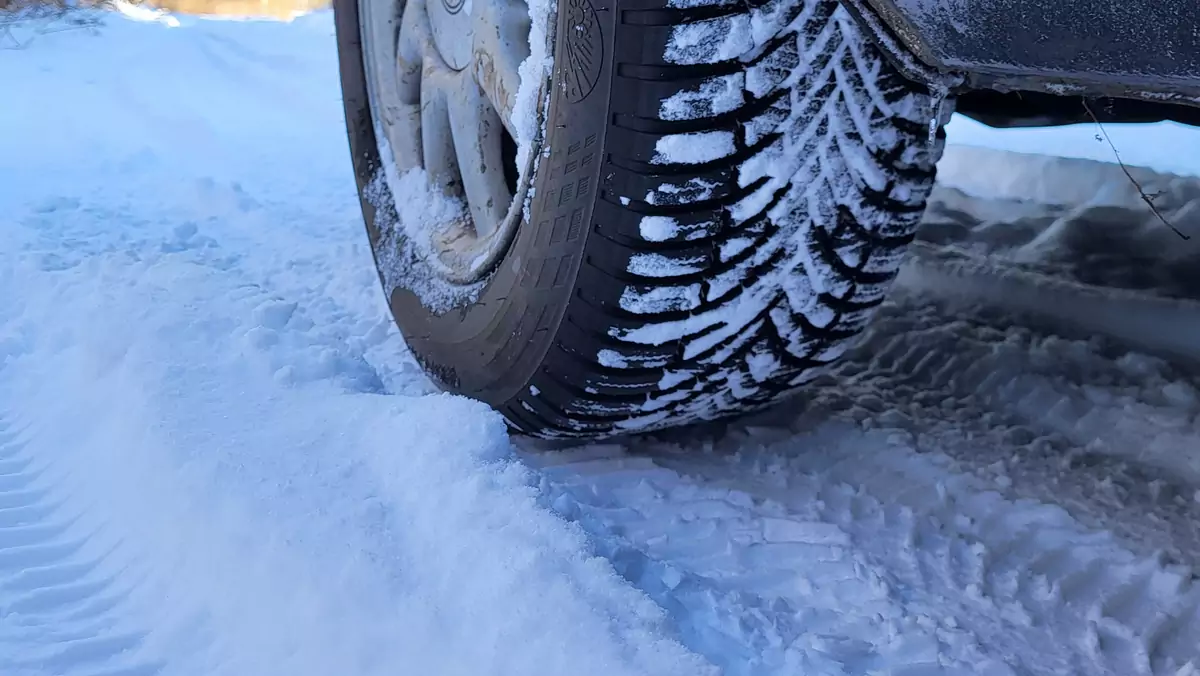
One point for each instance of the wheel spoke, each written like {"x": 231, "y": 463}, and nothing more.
{"x": 437, "y": 143}
{"x": 413, "y": 46}
{"x": 501, "y": 29}
{"x": 400, "y": 103}
{"x": 403, "y": 130}
{"x": 397, "y": 119}
{"x": 476, "y": 128}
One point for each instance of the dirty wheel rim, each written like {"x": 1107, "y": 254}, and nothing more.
{"x": 442, "y": 82}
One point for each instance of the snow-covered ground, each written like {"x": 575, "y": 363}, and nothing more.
{"x": 216, "y": 456}
{"x": 1166, "y": 146}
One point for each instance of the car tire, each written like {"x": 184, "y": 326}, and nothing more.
{"x": 725, "y": 192}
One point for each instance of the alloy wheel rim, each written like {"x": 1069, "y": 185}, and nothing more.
{"x": 443, "y": 78}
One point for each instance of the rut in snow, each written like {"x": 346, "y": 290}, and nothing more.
{"x": 59, "y": 608}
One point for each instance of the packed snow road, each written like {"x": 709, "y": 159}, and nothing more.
{"x": 216, "y": 457}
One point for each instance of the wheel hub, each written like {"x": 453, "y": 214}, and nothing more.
{"x": 452, "y": 28}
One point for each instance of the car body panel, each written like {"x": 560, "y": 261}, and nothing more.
{"x": 1143, "y": 49}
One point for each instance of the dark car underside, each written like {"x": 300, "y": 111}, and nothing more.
{"x": 1048, "y": 62}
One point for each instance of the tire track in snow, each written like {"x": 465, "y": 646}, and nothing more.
{"x": 1018, "y": 573}
{"x": 1121, "y": 422}
{"x": 1023, "y": 373}
{"x": 756, "y": 588}
{"x": 841, "y": 551}
{"x": 58, "y": 611}
{"x": 1082, "y": 423}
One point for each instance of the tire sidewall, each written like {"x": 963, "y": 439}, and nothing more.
{"x": 489, "y": 349}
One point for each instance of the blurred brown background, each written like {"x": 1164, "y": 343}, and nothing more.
{"x": 271, "y": 8}
{"x": 246, "y": 8}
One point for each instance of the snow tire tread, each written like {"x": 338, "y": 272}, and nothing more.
{"x": 739, "y": 331}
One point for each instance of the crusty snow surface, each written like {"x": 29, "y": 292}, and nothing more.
{"x": 216, "y": 456}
